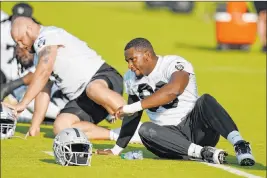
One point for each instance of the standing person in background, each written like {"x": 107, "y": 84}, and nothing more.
{"x": 261, "y": 7}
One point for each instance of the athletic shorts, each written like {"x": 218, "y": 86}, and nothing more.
{"x": 85, "y": 108}
{"x": 260, "y": 6}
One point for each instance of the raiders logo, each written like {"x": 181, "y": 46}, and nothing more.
{"x": 41, "y": 42}
{"x": 179, "y": 66}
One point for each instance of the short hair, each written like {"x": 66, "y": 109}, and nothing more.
{"x": 139, "y": 43}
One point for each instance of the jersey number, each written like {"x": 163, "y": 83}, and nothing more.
{"x": 146, "y": 88}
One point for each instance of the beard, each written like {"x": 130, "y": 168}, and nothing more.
{"x": 26, "y": 64}
{"x": 32, "y": 51}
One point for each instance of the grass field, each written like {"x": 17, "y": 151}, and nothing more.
{"x": 236, "y": 79}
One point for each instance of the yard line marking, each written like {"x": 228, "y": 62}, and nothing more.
{"x": 49, "y": 153}
{"x": 220, "y": 166}
{"x": 232, "y": 170}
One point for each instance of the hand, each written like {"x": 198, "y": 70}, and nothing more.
{"x": 18, "y": 108}
{"x": 33, "y": 131}
{"x": 111, "y": 119}
{"x": 104, "y": 152}
{"x": 120, "y": 113}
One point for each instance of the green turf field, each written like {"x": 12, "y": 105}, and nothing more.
{"x": 236, "y": 79}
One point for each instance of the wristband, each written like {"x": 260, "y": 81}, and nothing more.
{"x": 132, "y": 108}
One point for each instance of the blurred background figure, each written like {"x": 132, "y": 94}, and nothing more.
{"x": 16, "y": 74}
{"x": 261, "y": 7}
{"x": 11, "y": 68}
{"x": 19, "y": 9}
{"x": 9, "y": 65}
{"x": 7, "y": 49}
{"x": 174, "y": 6}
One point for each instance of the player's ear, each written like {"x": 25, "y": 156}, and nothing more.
{"x": 29, "y": 30}
{"x": 147, "y": 55}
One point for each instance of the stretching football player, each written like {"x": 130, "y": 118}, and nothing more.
{"x": 16, "y": 72}
{"x": 93, "y": 87}
{"x": 183, "y": 124}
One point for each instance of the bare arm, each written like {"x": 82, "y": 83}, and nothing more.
{"x": 28, "y": 78}
{"x": 169, "y": 92}
{"x": 43, "y": 70}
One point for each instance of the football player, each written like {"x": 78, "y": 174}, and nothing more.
{"x": 183, "y": 124}
{"x": 16, "y": 70}
{"x": 93, "y": 87}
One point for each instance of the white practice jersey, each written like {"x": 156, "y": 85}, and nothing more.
{"x": 7, "y": 49}
{"x": 75, "y": 62}
{"x": 173, "y": 112}
{"x": 4, "y": 15}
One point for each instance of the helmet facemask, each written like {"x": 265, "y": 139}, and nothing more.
{"x": 73, "y": 153}
{"x": 8, "y": 123}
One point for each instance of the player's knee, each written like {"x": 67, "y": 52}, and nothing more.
{"x": 146, "y": 130}
{"x": 90, "y": 90}
{"x": 207, "y": 97}
{"x": 56, "y": 127}
{"x": 60, "y": 124}
{"x": 95, "y": 87}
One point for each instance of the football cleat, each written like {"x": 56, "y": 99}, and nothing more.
{"x": 244, "y": 154}
{"x": 213, "y": 155}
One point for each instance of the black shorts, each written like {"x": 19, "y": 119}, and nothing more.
{"x": 85, "y": 108}
{"x": 260, "y": 6}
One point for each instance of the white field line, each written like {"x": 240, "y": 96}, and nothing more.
{"x": 49, "y": 153}
{"x": 232, "y": 170}
{"x": 225, "y": 168}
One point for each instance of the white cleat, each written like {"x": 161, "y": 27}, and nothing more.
{"x": 243, "y": 153}
{"x": 213, "y": 155}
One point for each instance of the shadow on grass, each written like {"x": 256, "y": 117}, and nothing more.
{"x": 147, "y": 154}
{"x": 130, "y": 147}
{"x": 49, "y": 161}
{"x": 96, "y": 146}
{"x": 232, "y": 161}
{"x": 48, "y": 132}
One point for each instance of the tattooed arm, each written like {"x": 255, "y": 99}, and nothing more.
{"x": 43, "y": 70}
